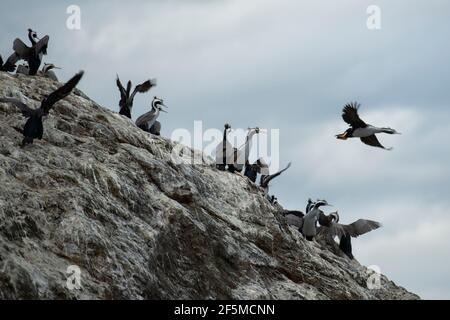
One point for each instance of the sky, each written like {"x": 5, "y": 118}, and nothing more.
{"x": 291, "y": 65}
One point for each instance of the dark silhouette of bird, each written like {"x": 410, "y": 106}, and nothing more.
{"x": 10, "y": 64}
{"x": 32, "y": 55}
{"x": 127, "y": 97}
{"x": 360, "y": 129}
{"x": 34, "y": 128}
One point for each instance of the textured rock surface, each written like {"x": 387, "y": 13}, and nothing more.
{"x": 101, "y": 194}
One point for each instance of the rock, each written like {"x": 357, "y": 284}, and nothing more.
{"x": 100, "y": 194}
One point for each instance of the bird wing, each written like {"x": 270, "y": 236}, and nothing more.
{"x": 355, "y": 229}
{"x": 145, "y": 118}
{"x": 42, "y": 45}
{"x": 123, "y": 94}
{"x": 60, "y": 93}
{"x": 265, "y": 181}
{"x": 350, "y": 115}
{"x": 294, "y": 220}
{"x": 143, "y": 87}
{"x": 26, "y": 111}
{"x": 21, "y": 49}
{"x": 373, "y": 141}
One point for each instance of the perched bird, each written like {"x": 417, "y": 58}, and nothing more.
{"x": 33, "y": 55}
{"x": 266, "y": 178}
{"x": 147, "y": 121}
{"x": 10, "y": 64}
{"x": 359, "y": 129}
{"x": 127, "y": 97}
{"x": 309, "y": 205}
{"x": 309, "y": 227}
{"x": 332, "y": 228}
{"x": 34, "y": 128}
{"x": 240, "y": 158}
{"x": 294, "y": 218}
{"x": 223, "y": 150}
{"x": 47, "y": 71}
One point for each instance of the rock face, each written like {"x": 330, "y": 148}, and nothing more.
{"x": 100, "y": 194}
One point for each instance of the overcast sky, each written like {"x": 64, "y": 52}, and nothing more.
{"x": 291, "y": 65}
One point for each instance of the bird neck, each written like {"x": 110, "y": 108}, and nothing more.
{"x": 30, "y": 36}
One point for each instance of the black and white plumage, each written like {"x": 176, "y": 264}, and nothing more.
{"x": 34, "y": 128}
{"x": 127, "y": 97}
{"x": 33, "y": 55}
{"x": 360, "y": 129}
{"x": 47, "y": 71}
{"x": 344, "y": 232}
{"x": 224, "y": 150}
{"x": 147, "y": 121}
{"x": 309, "y": 227}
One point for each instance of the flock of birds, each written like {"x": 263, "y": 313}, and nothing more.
{"x": 33, "y": 56}
{"x": 310, "y": 224}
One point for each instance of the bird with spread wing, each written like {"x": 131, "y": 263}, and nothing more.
{"x": 127, "y": 97}
{"x": 360, "y": 129}
{"x": 34, "y": 128}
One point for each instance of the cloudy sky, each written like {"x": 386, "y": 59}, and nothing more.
{"x": 291, "y": 65}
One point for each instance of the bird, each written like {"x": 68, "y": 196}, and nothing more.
{"x": 127, "y": 97}
{"x": 266, "y": 178}
{"x": 47, "y": 71}
{"x": 10, "y": 64}
{"x": 223, "y": 149}
{"x": 243, "y": 153}
{"x": 147, "y": 121}
{"x": 309, "y": 226}
{"x": 331, "y": 227}
{"x": 309, "y": 205}
{"x": 34, "y": 128}
{"x": 251, "y": 171}
{"x": 33, "y": 55}
{"x": 360, "y": 129}
{"x": 294, "y": 218}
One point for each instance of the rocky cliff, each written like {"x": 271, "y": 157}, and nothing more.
{"x": 100, "y": 194}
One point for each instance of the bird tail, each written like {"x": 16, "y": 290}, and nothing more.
{"x": 389, "y": 131}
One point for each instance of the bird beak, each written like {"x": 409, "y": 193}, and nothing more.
{"x": 57, "y": 68}
{"x": 342, "y": 136}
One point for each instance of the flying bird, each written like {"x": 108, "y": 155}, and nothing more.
{"x": 127, "y": 97}
{"x": 147, "y": 121}
{"x": 360, "y": 129}
{"x": 34, "y": 128}
{"x": 33, "y": 55}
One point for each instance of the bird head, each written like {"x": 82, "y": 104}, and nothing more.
{"x": 49, "y": 66}
{"x": 158, "y": 104}
{"x": 345, "y": 135}
{"x": 227, "y": 126}
{"x": 33, "y": 35}
{"x": 335, "y": 216}
{"x": 321, "y": 203}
